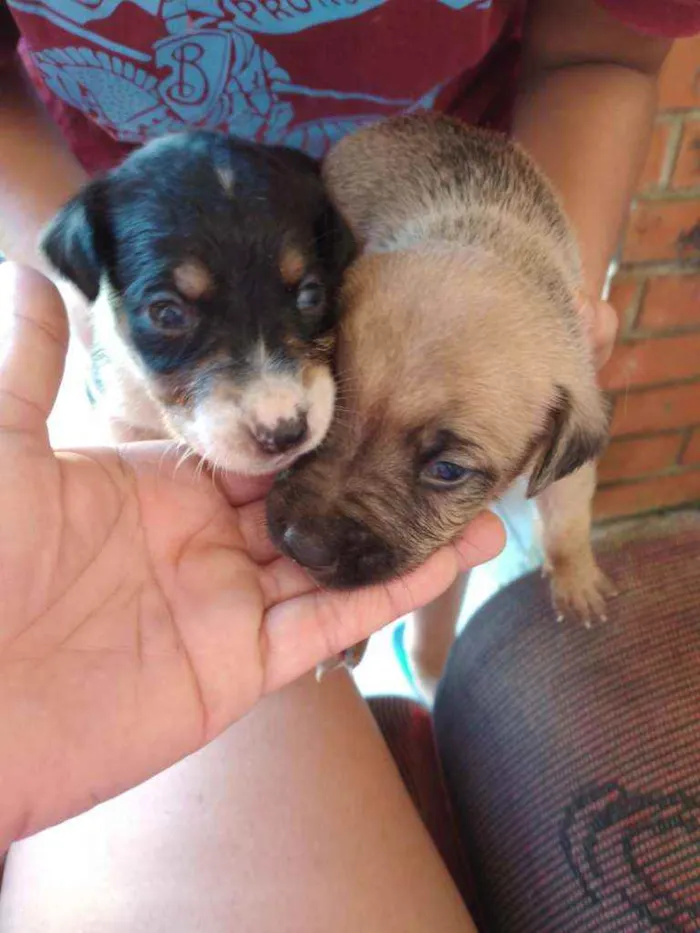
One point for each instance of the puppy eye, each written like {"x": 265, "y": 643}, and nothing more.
{"x": 444, "y": 473}
{"x": 171, "y": 317}
{"x": 311, "y": 295}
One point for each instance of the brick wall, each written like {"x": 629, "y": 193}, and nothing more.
{"x": 653, "y": 461}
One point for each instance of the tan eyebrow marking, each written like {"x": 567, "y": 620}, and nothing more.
{"x": 193, "y": 279}
{"x": 292, "y": 265}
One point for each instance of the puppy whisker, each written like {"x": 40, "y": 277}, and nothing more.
{"x": 200, "y": 468}
{"x": 215, "y": 467}
{"x": 184, "y": 456}
{"x": 169, "y": 450}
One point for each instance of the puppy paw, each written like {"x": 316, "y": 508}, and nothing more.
{"x": 580, "y": 590}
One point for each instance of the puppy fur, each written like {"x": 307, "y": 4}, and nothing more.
{"x": 213, "y": 266}
{"x": 462, "y": 364}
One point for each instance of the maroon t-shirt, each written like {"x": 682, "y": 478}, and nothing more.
{"x": 115, "y": 73}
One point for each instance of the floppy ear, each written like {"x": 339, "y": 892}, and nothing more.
{"x": 74, "y": 240}
{"x": 572, "y": 438}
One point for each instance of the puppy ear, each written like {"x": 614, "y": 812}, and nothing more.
{"x": 336, "y": 244}
{"x": 572, "y": 438}
{"x": 296, "y": 160}
{"x": 71, "y": 242}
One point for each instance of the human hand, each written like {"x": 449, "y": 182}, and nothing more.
{"x": 142, "y": 607}
{"x": 78, "y": 310}
{"x": 601, "y": 324}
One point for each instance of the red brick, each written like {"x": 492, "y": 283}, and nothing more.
{"x": 680, "y": 79}
{"x": 651, "y": 173}
{"x": 663, "y": 230}
{"x": 645, "y": 362}
{"x": 687, "y": 171}
{"x": 691, "y": 454}
{"x": 639, "y": 457}
{"x": 647, "y": 495}
{"x": 657, "y": 410}
{"x": 671, "y": 301}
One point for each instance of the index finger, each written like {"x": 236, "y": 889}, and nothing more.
{"x": 304, "y": 631}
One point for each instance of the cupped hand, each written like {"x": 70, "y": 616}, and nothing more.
{"x": 142, "y": 607}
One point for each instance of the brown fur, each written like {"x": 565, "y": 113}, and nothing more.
{"x": 459, "y": 340}
{"x": 292, "y": 265}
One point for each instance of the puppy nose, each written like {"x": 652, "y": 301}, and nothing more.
{"x": 308, "y": 548}
{"x": 282, "y": 436}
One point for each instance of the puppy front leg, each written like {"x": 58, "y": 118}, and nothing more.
{"x": 579, "y": 586}
{"x": 431, "y": 634}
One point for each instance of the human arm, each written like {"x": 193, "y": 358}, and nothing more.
{"x": 38, "y": 173}
{"x": 585, "y": 110}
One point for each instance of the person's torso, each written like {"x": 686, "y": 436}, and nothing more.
{"x": 116, "y": 73}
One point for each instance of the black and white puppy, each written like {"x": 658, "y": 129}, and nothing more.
{"x": 212, "y": 265}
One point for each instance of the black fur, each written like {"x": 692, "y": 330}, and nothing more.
{"x": 566, "y": 447}
{"x": 165, "y": 204}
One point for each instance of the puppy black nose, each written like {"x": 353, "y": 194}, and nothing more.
{"x": 282, "y": 436}
{"x": 308, "y": 548}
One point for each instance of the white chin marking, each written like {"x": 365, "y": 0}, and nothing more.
{"x": 321, "y": 399}
{"x": 219, "y": 430}
{"x": 273, "y": 397}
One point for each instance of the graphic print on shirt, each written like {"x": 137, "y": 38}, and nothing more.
{"x": 209, "y": 70}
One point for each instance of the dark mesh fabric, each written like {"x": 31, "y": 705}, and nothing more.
{"x": 572, "y": 757}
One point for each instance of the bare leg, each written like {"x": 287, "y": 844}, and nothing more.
{"x": 578, "y": 585}
{"x": 294, "y": 821}
{"x": 430, "y": 636}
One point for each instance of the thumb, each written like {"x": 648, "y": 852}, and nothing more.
{"x": 33, "y": 346}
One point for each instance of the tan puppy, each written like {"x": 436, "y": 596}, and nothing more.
{"x": 462, "y": 364}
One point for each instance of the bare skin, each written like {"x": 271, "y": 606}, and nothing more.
{"x": 38, "y": 174}
{"x": 295, "y": 819}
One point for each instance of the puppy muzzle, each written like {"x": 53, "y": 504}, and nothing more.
{"x": 339, "y": 552}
